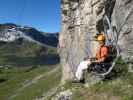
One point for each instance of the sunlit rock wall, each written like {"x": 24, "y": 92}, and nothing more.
{"x": 122, "y": 18}
{"x": 81, "y": 20}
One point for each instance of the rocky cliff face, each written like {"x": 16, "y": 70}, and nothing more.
{"x": 82, "y": 19}
{"x": 122, "y": 19}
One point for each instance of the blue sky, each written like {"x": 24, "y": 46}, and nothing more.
{"x": 41, "y": 14}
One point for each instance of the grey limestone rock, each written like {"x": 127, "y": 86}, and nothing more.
{"x": 82, "y": 19}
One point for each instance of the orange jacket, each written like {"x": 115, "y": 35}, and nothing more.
{"x": 102, "y": 52}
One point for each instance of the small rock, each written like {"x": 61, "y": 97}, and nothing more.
{"x": 65, "y": 95}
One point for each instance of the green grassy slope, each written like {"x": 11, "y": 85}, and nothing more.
{"x": 22, "y": 84}
{"x": 27, "y": 70}
{"x": 119, "y": 86}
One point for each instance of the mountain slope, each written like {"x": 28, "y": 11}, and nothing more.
{"x": 27, "y": 67}
{"x": 27, "y": 53}
{"x": 10, "y": 32}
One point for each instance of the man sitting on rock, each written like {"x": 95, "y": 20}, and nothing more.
{"x": 101, "y": 55}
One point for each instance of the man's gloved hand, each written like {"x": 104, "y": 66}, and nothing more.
{"x": 93, "y": 59}
{"x": 86, "y": 58}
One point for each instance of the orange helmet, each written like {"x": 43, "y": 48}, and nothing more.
{"x": 101, "y": 37}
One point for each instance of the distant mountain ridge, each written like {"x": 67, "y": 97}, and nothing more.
{"x": 10, "y": 32}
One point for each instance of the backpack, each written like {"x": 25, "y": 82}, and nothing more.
{"x": 112, "y": 53}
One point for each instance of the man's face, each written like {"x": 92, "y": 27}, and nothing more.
{"x": 101, "y": 43}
